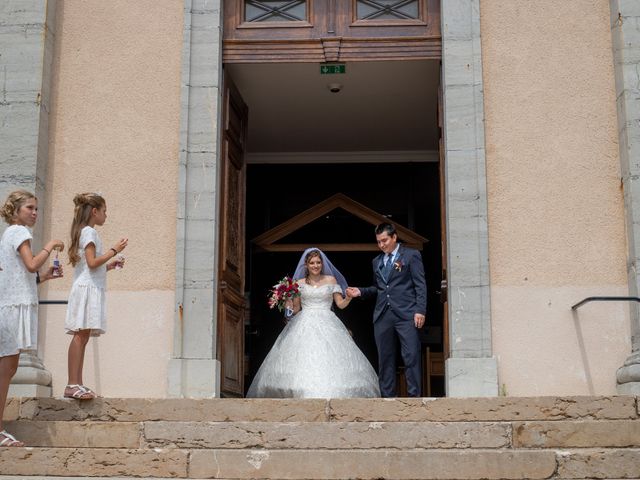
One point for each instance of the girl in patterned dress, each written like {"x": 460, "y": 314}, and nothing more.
{"x": 18, "y": 295}
{"x": 86, "y": 315}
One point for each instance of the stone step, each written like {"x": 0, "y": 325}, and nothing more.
{"x": 318, "y": 410}
{"x": 322, "y": 464}
{"x": 329, "y": 435}
{"x": 479, "y": 438}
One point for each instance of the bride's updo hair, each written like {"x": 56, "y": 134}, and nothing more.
{"x": 307, "y": 259}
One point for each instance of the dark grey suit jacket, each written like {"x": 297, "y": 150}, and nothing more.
{"x": 405, "y": 290}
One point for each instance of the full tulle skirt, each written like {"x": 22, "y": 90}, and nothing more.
{"x": 315, "y": 357}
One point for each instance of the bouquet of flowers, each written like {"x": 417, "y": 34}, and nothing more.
{"x": 285, "y": 289}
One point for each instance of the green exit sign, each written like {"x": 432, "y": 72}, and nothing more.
{"x": 333, "y": 69}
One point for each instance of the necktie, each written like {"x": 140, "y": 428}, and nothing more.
{"x": 387, "y": 266}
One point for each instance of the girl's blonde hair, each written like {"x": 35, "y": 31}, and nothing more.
{"x": 15, "y": 200}
{"x": 84, "y": 204}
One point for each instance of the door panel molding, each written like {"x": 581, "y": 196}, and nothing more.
{"x": 331, "y": 34}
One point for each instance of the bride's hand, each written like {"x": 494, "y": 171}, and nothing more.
{"x": 353, "y": 292}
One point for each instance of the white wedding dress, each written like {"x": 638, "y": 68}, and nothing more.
{"x": 314, "y": 356}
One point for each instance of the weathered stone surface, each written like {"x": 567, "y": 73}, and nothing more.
{"x": 21, "y": 477}
{"x": 11, "y": 409}
{"x": 93, "y": 462}
{"x": 483, "y": 409}
{"x": 334, "y": 435}
{"x": 599, "y": 464}
{"x": 206, "y": 410}
{"x": 77, "y": 434}
{"x": 372, "y": 464}
{"x": 601, "y": 433}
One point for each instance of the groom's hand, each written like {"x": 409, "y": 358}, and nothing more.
{"x": 418, "y": 319}
{"x": 353, "y": 292}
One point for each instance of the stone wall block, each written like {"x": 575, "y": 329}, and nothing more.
{"x": 207, "y": 7}
{"x": 581, "y": 434}
{"x": 200, "y": 343}
{"x": 203, "y": 120}
{"x": 472, "y": 264}
{"x": 20, "y": 12}
{"x": 458, "y": 52}
{"x": 93, "y": 462}
{"x": 77, "y": 434}
{"x": 333, "y": 435}
{"x": 459, "y": 9}
{"x": 469, "y": 336}
{"x": 630, "y": 7}
{"x": 371, "y": 464}
{"x": 588, "y": 464}
{"x": 205, "y": 50}
{"x": 462, "y": 105}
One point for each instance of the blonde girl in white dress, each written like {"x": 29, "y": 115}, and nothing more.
{"x": 18, "y": 295}
{"x": 86, "y": 315}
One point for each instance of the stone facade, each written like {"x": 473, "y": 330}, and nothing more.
{"x": 27, "y": 30}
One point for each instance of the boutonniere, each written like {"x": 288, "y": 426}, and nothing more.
{"x": 397, "y": 265}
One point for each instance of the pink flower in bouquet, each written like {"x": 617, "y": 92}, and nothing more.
{"x": 285, "y": 289}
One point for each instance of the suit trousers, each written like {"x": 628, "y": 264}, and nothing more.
{"x": 386, "y": 328}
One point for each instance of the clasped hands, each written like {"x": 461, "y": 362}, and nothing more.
{"x": 418, "y": 318}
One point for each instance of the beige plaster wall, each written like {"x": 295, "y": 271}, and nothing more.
{"x": 556, "y": 228}
{"x": 115, "y": 127}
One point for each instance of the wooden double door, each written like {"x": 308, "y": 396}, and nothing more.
{"x": 305, "y": 31}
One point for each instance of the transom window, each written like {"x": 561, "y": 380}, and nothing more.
{"x": 387, "y": 9}
{"x": 275, "y": 10}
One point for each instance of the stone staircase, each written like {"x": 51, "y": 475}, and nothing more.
{"x": 446, "y": 438}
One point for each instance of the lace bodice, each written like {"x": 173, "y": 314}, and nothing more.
{"x": 318, "y": 297}
{"x": 17, "y": 284}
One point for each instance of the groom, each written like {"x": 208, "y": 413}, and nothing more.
{"x": 401, "y": 304}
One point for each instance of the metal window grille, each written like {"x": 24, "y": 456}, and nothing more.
{"x": 387, "y": 10}
{"x": 275, "y": 11}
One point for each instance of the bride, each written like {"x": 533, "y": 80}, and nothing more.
{"x": 314, "y": 356}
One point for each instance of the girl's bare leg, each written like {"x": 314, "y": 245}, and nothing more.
{"x": 77, "y": 348}
{"x": 8, "y": 368}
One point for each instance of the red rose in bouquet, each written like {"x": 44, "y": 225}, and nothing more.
{"x": 285, "y": 289}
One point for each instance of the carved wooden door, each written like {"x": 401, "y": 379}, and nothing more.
{"x": 231, "y": 301}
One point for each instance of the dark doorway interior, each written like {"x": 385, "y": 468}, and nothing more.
{"x": 405, "y": 192}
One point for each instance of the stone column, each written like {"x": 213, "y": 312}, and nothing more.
{"x": 625, "y": 29}
{"x": 471, "y": 370}
{"x": 27, "y": 29}
{"x": 194, "y": 370}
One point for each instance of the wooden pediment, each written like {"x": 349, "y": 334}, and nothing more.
{"x": 267, "y": 240}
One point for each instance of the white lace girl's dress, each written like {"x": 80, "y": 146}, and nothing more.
{"x": 314, "y": 356}
{"x": 86, "y": 309}
{"x": 18, "y": 295}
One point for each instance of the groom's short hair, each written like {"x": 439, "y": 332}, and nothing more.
{"x": 386, "y": 227}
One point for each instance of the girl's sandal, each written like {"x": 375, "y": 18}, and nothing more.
{"x": 9, "y": 440}
{"x": 79, "y": 392}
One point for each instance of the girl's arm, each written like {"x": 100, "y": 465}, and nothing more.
{"x": 341, "y": 301}
{"x": 34, "y": 262}
{"x": 95, "y": 262}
